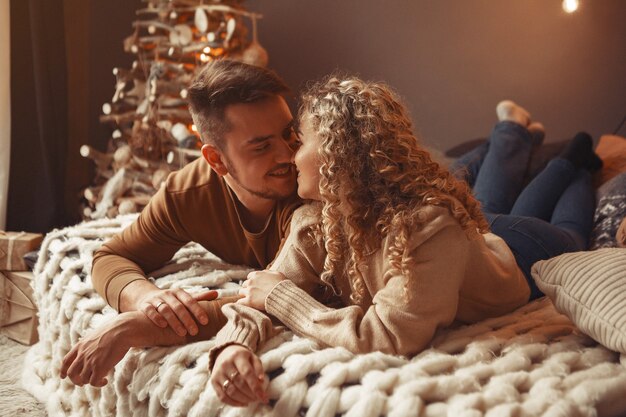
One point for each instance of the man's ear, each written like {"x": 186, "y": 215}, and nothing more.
{"x": 214, "y": 158}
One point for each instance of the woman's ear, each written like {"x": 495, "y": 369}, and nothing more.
{"x": 214, "y": 158}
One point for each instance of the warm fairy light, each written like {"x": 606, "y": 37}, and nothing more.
{"x": 207, "y": 50}
{"x": 570, "y": 6}
{"x": 204, "y": 58}
{"x": 194, "y": 128}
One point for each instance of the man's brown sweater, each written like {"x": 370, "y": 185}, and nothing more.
{"x": 194, "y": 205}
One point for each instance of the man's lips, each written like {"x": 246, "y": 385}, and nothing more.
{"x": 283, "y": 171}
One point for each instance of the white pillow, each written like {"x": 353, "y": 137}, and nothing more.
{"x": 590, "y": 289}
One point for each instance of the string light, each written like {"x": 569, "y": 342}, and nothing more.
{"x": 204, "y": 58}
{"x": 570, "y": 6}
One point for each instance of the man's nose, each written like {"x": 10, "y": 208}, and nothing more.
{"x": 287, "y": 151}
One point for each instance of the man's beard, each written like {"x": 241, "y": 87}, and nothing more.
{"x": 267, "y": 194}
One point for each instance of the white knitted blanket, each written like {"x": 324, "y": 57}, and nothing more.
{"x": 531, "y": 362}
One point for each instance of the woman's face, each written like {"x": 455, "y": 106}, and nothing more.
{"x": 307, "y": 161}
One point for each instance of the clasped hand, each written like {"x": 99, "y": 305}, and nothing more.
{"x": 238, "y": 377}
{"x": 176, "y": 308}
{"x": 91, "y": 359}
{"x": 257, "y": 287}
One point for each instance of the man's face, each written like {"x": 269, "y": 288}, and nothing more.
{"x": 259, "y": 147}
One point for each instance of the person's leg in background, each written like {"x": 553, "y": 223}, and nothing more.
{"x": 532, "y": 240}
{"x": 541, "y": 195}
{"x": 497, "y": 168}
{"x": 562, "y": 193}
{"x": 500, "y": 178}
{"x": 574, "y": 211}
{"x": 554, "y": 213}
{"x": 467, "y": 166}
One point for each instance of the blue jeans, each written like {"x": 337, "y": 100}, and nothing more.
{"x": 552, "y": 215}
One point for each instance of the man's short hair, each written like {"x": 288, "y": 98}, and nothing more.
{"x": 224, "y": 82}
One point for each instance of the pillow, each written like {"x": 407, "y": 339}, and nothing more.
{"x": 610, "y": 211}
{"x": 590, "y": 289}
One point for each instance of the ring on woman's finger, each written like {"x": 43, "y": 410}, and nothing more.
{"x": 159, "y": 304}
{"x": 226, "y": 384}
{"x": 233, "y": 375}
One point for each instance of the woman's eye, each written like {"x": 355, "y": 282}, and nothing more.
{"x": 262, "y": 147}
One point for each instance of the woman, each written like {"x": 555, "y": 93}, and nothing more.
{"x": 396, "y": 250}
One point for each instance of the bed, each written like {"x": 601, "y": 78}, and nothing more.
{"x": 538, "y": 360}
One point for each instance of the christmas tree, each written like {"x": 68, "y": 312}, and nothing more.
{"x": 152, "y": 130}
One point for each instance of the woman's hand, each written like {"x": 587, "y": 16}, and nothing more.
{"x": 238, "y": 377}
{"x": 176, "y": 308}
{"x": 257, "y": 287}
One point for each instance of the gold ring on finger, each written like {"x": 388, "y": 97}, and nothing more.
{"x": 159, "y": 304}
{"x": 226, "y": 384}
{"x": 233, "y": 375}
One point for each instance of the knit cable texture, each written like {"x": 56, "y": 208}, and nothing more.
{"x": 531, "y": 362}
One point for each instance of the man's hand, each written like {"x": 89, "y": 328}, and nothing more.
{"x": 91, "y": 359}
{"x": 175, "y": 308}
{"x": 257, "y": 287}
{"x": 238, "y": 377}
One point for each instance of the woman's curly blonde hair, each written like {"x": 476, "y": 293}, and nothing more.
{"x": 375, "y": 177}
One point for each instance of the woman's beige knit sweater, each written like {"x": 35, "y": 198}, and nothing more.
{"x": 453, "y": 278}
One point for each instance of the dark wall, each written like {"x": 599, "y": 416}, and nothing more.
{"x": 110, "y": 23}
{"x": 453, "y": 60}
{"x": 94, "y": 31}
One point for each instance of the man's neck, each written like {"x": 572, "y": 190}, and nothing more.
{"x": 253, "y": 210}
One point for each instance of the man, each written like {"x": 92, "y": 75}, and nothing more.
{"x": 236, "y": 201}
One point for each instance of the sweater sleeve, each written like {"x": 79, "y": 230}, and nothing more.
{"x": 301, "y": 260}
{"x": 395, "y": 323}
{"x": 145, "y": 245}
{"x": 245, "y": 326}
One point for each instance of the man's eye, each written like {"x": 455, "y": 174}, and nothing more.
{"x": 289, "y": 133}
{"x": 262, "y": 147}
{"x": 295, "y": 143}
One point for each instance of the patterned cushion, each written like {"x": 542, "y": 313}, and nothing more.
{"x": 610, "y": 211}
{"x": 589, "y": 288}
